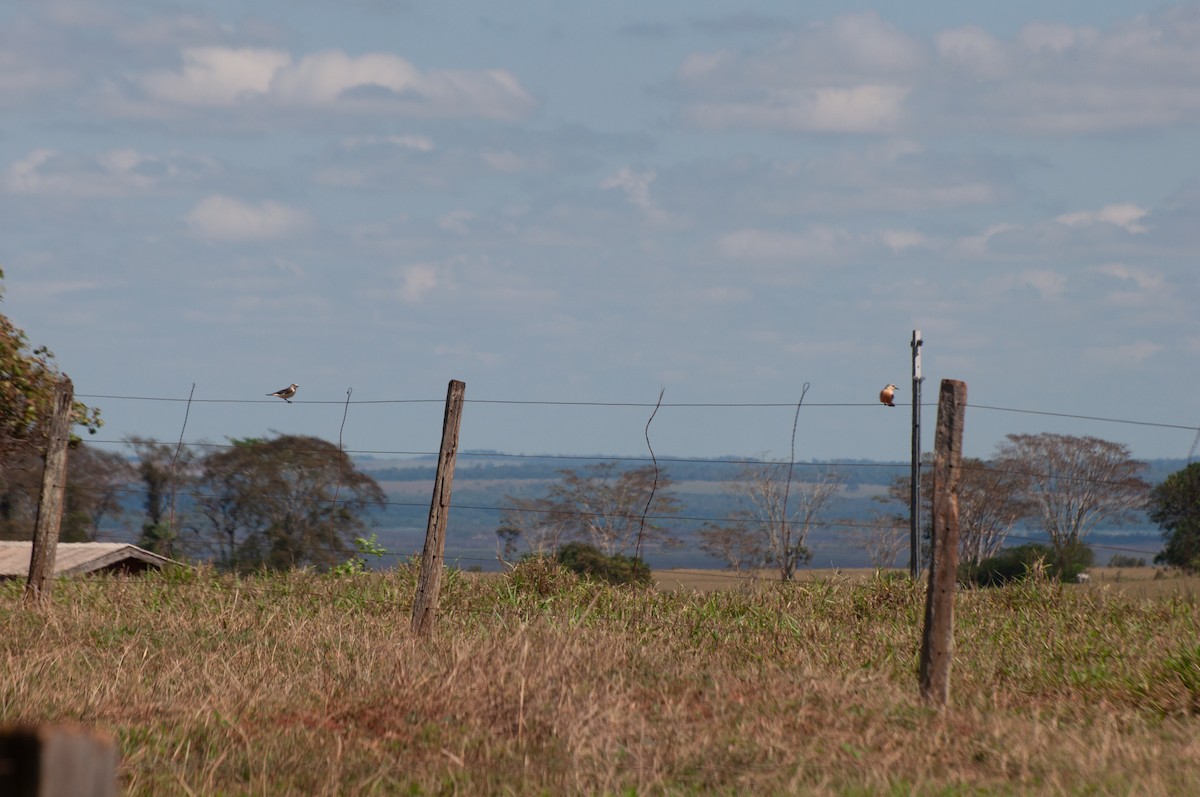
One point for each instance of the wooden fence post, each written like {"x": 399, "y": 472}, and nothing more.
{"x": 50, "y": 502}
{"x": 937, "y": 641}
{"x": 57, "y": 761}
{"x": 429, "y": 583}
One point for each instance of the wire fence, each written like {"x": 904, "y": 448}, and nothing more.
{"x": 202, "y": 447}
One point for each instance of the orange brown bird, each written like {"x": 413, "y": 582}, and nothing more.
{"x": 887, "y": 394}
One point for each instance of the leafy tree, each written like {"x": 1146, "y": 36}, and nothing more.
{"x": 1175, "y": 506}
{"x": 164, "y": 472}
{"x": 601, "y": 505}
{"x": 96, "y": 480}
{"x": 782, "y": 512}
{"x": 28, "y": 379}
{"x": 271, "y": 502}
{"x": 1071, "y": 484}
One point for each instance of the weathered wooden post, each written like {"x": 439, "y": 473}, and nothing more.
{"x": 57, "y": 761}
{"x": 50, "y": 502}
{"x": 937, "y": 641}
{"x": 429, "y": 583}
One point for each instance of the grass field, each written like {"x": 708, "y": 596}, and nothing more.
{"x": 537, "y": 683}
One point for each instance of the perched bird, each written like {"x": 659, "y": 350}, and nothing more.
{"x": 885, "y": 396}
{"x": 287, "y": 393}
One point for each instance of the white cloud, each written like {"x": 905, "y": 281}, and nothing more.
{"x": 224, "y": 77}
{"x": 225, "y": 218}
{"x": 899, "y": 240}
{"x": 855, "y": 109}
{"x": 413, "y": 142}
{"x": 636, "y": 186}
{"x": 973, "y": 49}
{"x": 1049, "y": 285}
{"x": 816, "y": 243}
{"x": 216, "y": 76}
{"x": 1138, "y": 289}
{"x": 21, "y": 75}
{"x": 417, "y": 281}
{"x": 977, "y": 245}
{"x": 456, "y": 221}
{"x": 859, "y": 74}
{"x": 506, "y": 162}
{"x": 1127, "y": 216}
{"x": 852, "y": 74}
{"x": 115, "y": 173}
{"x": 1124, "y": 355}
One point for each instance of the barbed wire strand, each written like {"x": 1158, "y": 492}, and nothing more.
{"x": 681, "y": 404}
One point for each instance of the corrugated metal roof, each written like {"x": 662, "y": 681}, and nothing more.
{"x": 75, "y": 558}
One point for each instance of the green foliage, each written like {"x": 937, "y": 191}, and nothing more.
{"x": 589, "y": 562}
{"x": 283, "y": 502}
{"x": 1175, "y": 506}
{"x": 28, "y": 378}
{"x": 366, "y": 546}
{"x": 542, "y": 576}
{"x": 1024, "y": 561}
{"x": 1123, "y": 560}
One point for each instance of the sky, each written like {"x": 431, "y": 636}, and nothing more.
{"x": 571, "y": 207}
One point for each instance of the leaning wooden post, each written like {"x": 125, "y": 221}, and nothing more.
{"x": 50, "y": 502}
{"x": 429, "y": 583}
{"x": 937, "y": 641}
{"x": 57, "y": 761}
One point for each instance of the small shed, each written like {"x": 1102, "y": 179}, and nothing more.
{"x": 78, "y": 558}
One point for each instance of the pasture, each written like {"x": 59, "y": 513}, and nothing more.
{"x": 537, "y": 683}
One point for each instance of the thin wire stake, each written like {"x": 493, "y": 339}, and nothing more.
{"x": 787, "y": 488}
{"x": 637, "y": 553}
{"x": 341, "y": 469}
{"x": 175, "y": 458}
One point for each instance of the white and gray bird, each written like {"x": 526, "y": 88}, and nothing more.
{"x": 887, "y": 394}
{"x": 287, "y": 393}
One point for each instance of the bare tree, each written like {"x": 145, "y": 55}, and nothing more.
{"x": 990, "y": 502}
{"x": 600, "y": 505}
{"x": 736, "y": 544}
{"x": 540, "y": 523}
{"x": 783, "y": 512}
{"x": 1073, "y": 483}
{"x": 883, "y": 537}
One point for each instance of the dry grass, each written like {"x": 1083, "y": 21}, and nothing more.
{"x": 535, "y": 683}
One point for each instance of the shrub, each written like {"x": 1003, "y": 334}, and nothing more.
{"x": 1121, "y": 560}
{"x": 1018, "y": 562}
{"x": 589, "y": 562}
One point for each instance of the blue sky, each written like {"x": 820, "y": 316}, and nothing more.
{"x": 592, "y": 202}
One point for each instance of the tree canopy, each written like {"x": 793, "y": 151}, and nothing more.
{"x": 1175, "y": 506}
{"x": 28, "y": 378}
{"x": 601, "y": 505}
{"x": 288, "y": 501}
{"x": 1073, "y": 483}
